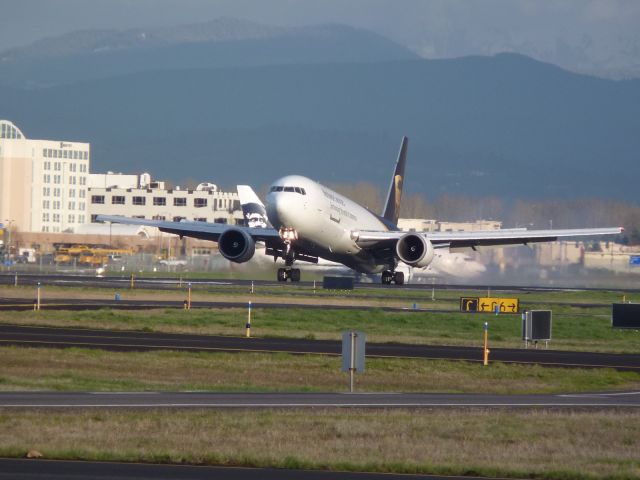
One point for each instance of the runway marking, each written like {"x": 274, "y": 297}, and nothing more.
{"x": 604, "y": 394}
{"x": 319, "y": 405}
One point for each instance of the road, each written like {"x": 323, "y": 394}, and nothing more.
{"x": 66, "y": 400}
{"x": 22, "y": 469}
{"x": 53, "y": 337}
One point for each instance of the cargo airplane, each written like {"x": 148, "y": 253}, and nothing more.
{"x": 309, "y": 221}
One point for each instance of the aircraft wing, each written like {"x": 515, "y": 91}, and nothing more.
{"x": 201, "y": 230}
{"x": 452, "y": 240}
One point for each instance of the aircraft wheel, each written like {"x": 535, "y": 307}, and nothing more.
{"x": 398, "y": 277}
{"x": 386, "y": 277}
{"x": 282, "y": 274}
{"x": 295, "y": 274}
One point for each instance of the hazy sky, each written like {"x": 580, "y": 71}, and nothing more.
{"x": 587, "y": 35}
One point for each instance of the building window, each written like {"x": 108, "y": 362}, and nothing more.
{"x": 81, "y": 208}
{"x": 180, "y": 202}
{"x": 83, "y": 168}
{"x": 72, "y": 206}
{"x": 159, "y": 217}
{"x": 56, "y": 204}
{"x": 72, "y": 218}
{"x": 200, "y": 219}
{"x": 72, "y": 193}
{"x": 94, "y": 218}
{"x": 117, "y": 200}
{"x": 56, "y": 192}
{"x": 159, "y": 201}
{"x": 139, "y": 200}
{"x": 46, "y": 191}
{"x": 57, "y": 166}
{"x": 57, "y": 179}
{"x": 83, "y": 180}
{"x": 97, "y": 199}
{"x": 72, "y": 180}
{"x": 81, "y": 219}
{"x": 46, "y": 204}
{"x": 199, "y": 202}
{"x": 56, "y": 217}
{"x": 47, "y": 165}
{"x": 46, "y": 178}
{"x": 177, "y": 219}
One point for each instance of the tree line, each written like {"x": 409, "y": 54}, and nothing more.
{"x": 531, "y": 214}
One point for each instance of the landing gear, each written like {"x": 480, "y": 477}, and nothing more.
{"x": 389, "y": 277}
{"x": 288, "y": 235}
{"x": 285, "y": 274}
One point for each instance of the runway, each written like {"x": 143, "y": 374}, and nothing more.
{"x": 22, "y": 469}
{"x": 52, "y": 337}
{"x": 172, "y": 283}
{"x": 66, "y": 400}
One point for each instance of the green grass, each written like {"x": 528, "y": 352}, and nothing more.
{"x": 98, "y": 370}
{"x": 571, "y": 331}
{"x": 535, "y": 444}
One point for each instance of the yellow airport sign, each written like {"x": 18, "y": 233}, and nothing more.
{"x": 469, "y": 304}
{"x": 489, "y": 304}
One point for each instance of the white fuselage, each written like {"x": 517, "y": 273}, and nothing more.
{"x": 324, "y": 221}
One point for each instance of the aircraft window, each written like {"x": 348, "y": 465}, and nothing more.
{"x": 303, "y": 191}
{"x": 289, "y": 189}
{"x": 297, "y": 189}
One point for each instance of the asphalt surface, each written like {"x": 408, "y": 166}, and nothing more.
{"x": 53, "y": 337}
{"x": 8, "y": 278}
{"x": 22, "y": 469}
{"x": 65, "y": 400}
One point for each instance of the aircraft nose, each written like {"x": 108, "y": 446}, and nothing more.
{"x": 277, "y": 209}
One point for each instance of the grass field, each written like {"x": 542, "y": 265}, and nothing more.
{"x": 571, "y": 331}
{"x": 98, "y": 370}
{"x": 515, "y": 443}
{"x": 519, "y": 443}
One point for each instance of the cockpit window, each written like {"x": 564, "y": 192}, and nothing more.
{"x": 299, "y": 190}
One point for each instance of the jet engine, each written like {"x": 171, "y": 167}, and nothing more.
{"x": 415, "y": 250}
{"x": 236, "y": 245}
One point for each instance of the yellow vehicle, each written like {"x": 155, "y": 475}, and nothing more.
{"x": 88, "y": 255}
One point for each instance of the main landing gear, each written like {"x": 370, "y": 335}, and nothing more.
{"x": 389, "y": 277}
{"x": 285, "y": 274}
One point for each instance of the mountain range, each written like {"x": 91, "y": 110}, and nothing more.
{"x": 233, "y": 102}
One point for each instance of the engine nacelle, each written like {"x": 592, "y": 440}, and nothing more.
{"x": 415, "y": 250}
{"x": 236, "y": 245}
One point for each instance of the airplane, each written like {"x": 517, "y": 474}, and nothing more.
{"x": 310, "y": 221}
{"x": 445, "y": 263}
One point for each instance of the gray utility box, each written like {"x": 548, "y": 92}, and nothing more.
{"x": 625, "y": 315}
{"x": 536, "y": 325}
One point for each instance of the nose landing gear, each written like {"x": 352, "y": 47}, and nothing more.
{"x": 288, "y": 235}
{"x": 285, "y": 274}
{"x": 389, "y": 277}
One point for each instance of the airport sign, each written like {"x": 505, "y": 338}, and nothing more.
{"x": 489, "y": 304}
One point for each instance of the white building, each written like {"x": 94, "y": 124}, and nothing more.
{"x": 139, "y": 197}
{"x": 43, "y": 183}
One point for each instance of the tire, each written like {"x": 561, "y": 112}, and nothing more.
{"x": 295, "y": 274}
{"x": 398, "y": 277}
{"x": 282, "y": 275}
